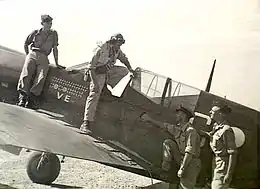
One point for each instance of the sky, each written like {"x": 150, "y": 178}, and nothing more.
{"x": 178, "y": 39}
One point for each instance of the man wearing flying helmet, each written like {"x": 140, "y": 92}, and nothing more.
{"x": 183, "y": 148}
{"x": 102, "y": 71}
{"x": 36, "y": 65}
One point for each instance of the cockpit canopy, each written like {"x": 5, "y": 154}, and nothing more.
{"x": 163, "y": 90}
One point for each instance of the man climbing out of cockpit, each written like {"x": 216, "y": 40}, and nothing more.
{"x": 102, "y": 71}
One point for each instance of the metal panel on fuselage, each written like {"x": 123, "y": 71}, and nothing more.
{"x": 64, "y": 86}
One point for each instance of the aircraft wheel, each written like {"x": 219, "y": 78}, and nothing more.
{"x": 43, "y": 168}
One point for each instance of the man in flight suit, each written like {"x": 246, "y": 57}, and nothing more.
{"x": 183, "y": 148}
{"x": 222, "y": 143}
{"x": 36, "y": 66}
{"x": 102, "y": 71}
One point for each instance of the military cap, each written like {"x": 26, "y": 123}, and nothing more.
{"x": 46, "y": 18}
{"x": 224, "y": 108}
{"x": 185, "y": 110}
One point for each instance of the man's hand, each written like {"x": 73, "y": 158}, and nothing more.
{"x": 133, "y": 73}
{"x": 180, "y": 172}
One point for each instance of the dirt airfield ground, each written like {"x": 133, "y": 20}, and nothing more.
{"x": 74, "y": 174}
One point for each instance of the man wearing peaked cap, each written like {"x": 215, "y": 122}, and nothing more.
{"x": 185, "y": 154}
{"x": 185, "y": 110}
{"x": 36, "y": 65}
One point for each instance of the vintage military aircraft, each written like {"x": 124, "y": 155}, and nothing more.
{"x": 120, "y": 139}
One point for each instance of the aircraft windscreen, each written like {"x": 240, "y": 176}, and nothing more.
{"x": 178, "y": 93}
{"x": 153, "y": 85}
{"x": 149, "y": 84}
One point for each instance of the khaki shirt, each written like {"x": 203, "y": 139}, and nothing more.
{"x": 222, "y": 140}
{"x": 42, "y": 41}
{"x": 186, "y": 137}
{"x": 107, "y": 55}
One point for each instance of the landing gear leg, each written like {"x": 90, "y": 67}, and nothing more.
{"x": 62, "y": 160}
{"x": 43, "y": 168}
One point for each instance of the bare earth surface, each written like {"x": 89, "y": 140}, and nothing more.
{"x": 74, "y": 174}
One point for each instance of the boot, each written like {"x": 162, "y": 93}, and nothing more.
{"x": 22, "y": 99}
{"x": 84, "y": 128}
{"x": 33, "y": 102}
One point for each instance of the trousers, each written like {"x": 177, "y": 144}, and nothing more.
{"x": 220, "y": 165}
{"x": 191, "y": 173}
{"x": 112, "y": 78}
{"x": 33, "y": 75}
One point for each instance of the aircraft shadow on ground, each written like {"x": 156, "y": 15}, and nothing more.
{"x": 4, "y": 186}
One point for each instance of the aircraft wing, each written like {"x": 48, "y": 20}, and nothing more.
{"x": 26, "y": 128}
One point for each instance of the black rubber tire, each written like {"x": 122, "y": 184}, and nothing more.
{"x": 48, "y": 173}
